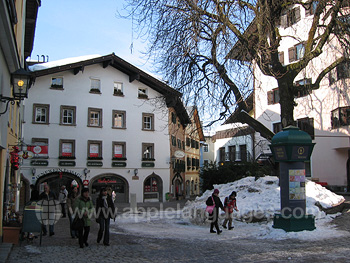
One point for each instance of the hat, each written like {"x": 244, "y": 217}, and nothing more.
{"x": 216, "y": 191}
{"x": 85, "y": 189}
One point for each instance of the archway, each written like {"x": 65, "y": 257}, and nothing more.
{"x": 177, "y": 183}
{"x": 56, "y": 179}
{"x": 116, "y": 183}
{"x": 153, "y": 189}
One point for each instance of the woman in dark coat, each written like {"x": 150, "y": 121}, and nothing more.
{"x": 104, "y": 212}
{"x": 214, "y": 216}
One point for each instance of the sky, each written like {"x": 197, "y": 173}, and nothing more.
{"x": 67, "y": 28}
{"x": 171, "y": 223}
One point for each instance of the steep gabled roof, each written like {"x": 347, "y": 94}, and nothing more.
{"x": 193, "y": 114}
{"x": 32, "y": 7}
{"x": 234, "y": 115}
{"x": 172, "y": 96}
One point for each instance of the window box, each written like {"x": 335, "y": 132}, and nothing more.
{"x": 119, "y": 158}
{"x": 66, "y": 157}
{"x": 56, "y": 86}
{"x": 95, "y": 158}
{"x": 143, "y": 96}
{"x": 118, "y": 93}
{"x": 95, "y": 91}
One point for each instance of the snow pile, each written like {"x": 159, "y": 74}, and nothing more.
{"x": 259, "y": 200}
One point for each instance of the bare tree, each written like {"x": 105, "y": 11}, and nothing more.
{"x": 204, "y": 48}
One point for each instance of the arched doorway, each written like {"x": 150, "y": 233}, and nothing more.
{"x": 116, "y": 183}
{"x": 153, "y": 189}
{"x": 56, "y": 180}
{"x": 177, "y": 183}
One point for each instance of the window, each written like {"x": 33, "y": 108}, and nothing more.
{"x": 119, "y": 119}
{"x": 205, "y": 148}
{"x": 188, "y": 142}
{"x": 118, "y": 89}
{"x": 67, "y": 149}
{"x": 243, "y": 152}
{"x": 95, "y": 85}
{"x": 311, "y": 8}
{"x": 193, "y": 143}
{"x": 57, "y": 83}
{"x": 173, "y": 140}
{"x": 142, "y": 93}
{"x": 151, "y": 185}
{"x": 343, "y": 71}
{"x": 189, "y": 164}
{"x": 290, "y": 17}
{"x": 179, "y": 143}
{"x": 41, "y": 113}
{"x": 232, "y": 153}
{"x": 273, "y": 96}
{"x": 281, "y": 57}
{"x": 173, "y": 117}
{"x": 206, "y": 163}
{"x": 340, "y": 117}
{"x": 305, "y": 91}
{"x": 95, "y": 117}
{"x": 119, "y": 151}
{"x": 95, "y": 150}
{"x": 307, "y": 125}
{"x": 148, "y": 151}
{"x": 148, "y": 121}
{"x": 297, "y": 52}
{"x": 222, "y": 154}
{"x": 277, "y": 127}
{"x": 183, "y": 145}
{"x": 67, "y": 115}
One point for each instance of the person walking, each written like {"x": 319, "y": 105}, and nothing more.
{"x": 105, "y": 212}
{"x": 48, "y": 201}
{"x": 230, "y": 204}
{"x": 72, "y": 196}
{"x": 62, "y": 198}
{"x": 85, "y": 209}
{"x": 34, "y": 195}
{"x": 214, "y": 216}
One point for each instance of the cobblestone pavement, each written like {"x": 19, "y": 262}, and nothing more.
{"x": 133, "y": 248}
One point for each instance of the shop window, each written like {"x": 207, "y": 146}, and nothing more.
{"x": 147, "y": 121}
{"x": 57, "y": 82}
{"x": 119, "y": 151}
{"x": 95, "y": 150}
{"x": 41, "y": 113}
{"x": 67, "y": 149}
{"x": 151, "y": 185}
{"x": 119, "y": 119}
{"x": 68, "y": 115}
{"x": 340, "y": 117}
{"x": 95, "y": 117}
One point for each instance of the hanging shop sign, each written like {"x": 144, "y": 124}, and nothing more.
{"x": 59, "y": 170}
{"x": 86, "y": 182}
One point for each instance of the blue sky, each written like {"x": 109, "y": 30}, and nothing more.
{"x": 72, "y": 28}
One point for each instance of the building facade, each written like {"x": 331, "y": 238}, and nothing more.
{"x": 99, "y": 121}
{"x": 17, "y": 28}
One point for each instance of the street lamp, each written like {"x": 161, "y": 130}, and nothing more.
{"x": 21, "y": 81}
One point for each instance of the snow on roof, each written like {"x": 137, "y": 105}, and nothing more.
{"x": 61, "y": 62}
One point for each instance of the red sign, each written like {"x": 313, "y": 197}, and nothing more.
{"x": 38, "y": 149}
{"x": 86, "y": 182}
{"x": 106, "y": 181}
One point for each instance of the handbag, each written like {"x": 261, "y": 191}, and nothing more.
{"x": 210, "y": 208}
{"x": 78, "y": 223}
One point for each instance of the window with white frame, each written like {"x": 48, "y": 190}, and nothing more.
{"x": 41, "y": 113}
{"x": 95, "y": 117}
{"x": 119, "y": 119}
{"x": 67, "y": 115}
{"x": 118, "y": 89}
{"x": 148, "y": 121}
{"x": 205, "y": 148}
{"x": 95, "y": 85}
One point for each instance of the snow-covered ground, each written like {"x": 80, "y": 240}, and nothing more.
{"x": 260, "y": 198}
